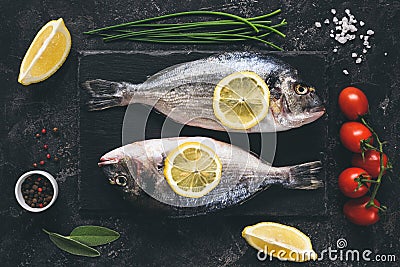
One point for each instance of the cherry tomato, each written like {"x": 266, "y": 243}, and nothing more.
{"x": 352, "y": 133}
{"x": 356, "y": 212}
{"x": 347, "y": 184}
{"x": 371, "y": 162}
{"x": 353, "y": 103}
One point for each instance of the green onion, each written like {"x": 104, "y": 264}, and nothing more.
{"x": 231, "y": 28}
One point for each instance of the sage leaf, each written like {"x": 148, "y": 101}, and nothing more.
{"x": 94, "y": 235}
{"x": 71, "y": 246}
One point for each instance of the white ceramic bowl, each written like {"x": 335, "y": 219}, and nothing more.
{"x": 20, "y": 198}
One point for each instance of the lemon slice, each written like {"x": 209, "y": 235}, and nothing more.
{"x": 46, "y": 54}
{"x": 280, "y": 241}
{"x": 192, "y": 169}
{"x": 241, "y": 100}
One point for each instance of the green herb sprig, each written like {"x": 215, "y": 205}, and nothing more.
{"x": 82, "y": 238}
{"x": 231, "y": 28}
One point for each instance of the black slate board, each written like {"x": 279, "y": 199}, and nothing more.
{"x": 100, "y": 131}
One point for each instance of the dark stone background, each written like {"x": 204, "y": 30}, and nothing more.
{"x": 202, "y": 241}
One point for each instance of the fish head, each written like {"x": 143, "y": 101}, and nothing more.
{"x": 116, "y": 170}
{"x": 127, "y": 167}
{"x": 295, "y": 103}
{"x": 119, "y": 168}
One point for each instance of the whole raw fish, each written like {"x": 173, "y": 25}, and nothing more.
{"x": 184, "y": 92}
{"x": 137, "y": 171}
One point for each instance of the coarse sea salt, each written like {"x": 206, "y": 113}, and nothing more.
{"x": 344, "y": 29}
{"x": 345, "y": 72}
{"x": 353, "y": 28}
{"x": 342, "y": 39}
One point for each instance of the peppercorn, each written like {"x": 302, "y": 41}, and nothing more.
{"x": 45, "y": 146}
{"x": 55, "y": 129}
{"x": 44, "y": 131}
{"x": 37, "y": 135}
{"x": 41, "y": 162}
{"x": 48, "y": 156}
{"x": 56, "y": 158}
{"x": 36, "y": 191}
{"x": 34, "y": 165}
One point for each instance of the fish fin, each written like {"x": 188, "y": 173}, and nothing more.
{"x": 104, "y": 94}
{"x": 305, "y": 176}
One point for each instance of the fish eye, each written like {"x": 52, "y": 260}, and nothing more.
{"x": 301, "y": 90}
{"x": 121, "y": 180}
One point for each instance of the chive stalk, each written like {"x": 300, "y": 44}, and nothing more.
{"x": 186, "y": 13}
{"x": 231, "y": 28}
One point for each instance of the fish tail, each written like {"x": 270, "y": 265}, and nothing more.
{"x": 105, "y": 94}
{"x": 305, "y": 176}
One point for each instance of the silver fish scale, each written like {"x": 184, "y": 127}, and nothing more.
{"x": 242, "y": 172}
{"x": 192, "y": 103}
{"x": 185, "y": 92}
{"x": 213, "y": 69}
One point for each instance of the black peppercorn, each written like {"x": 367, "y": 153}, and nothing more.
{"x": 37, "y": 191}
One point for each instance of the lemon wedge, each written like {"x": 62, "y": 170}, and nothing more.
{"x": 280, "y": 241}
{"x": 241, "y": 100}
{"x": 46, "y": 54}
{"x": 192, "y": 169}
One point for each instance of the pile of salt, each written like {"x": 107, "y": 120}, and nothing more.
{"x": 344, "y": 30}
